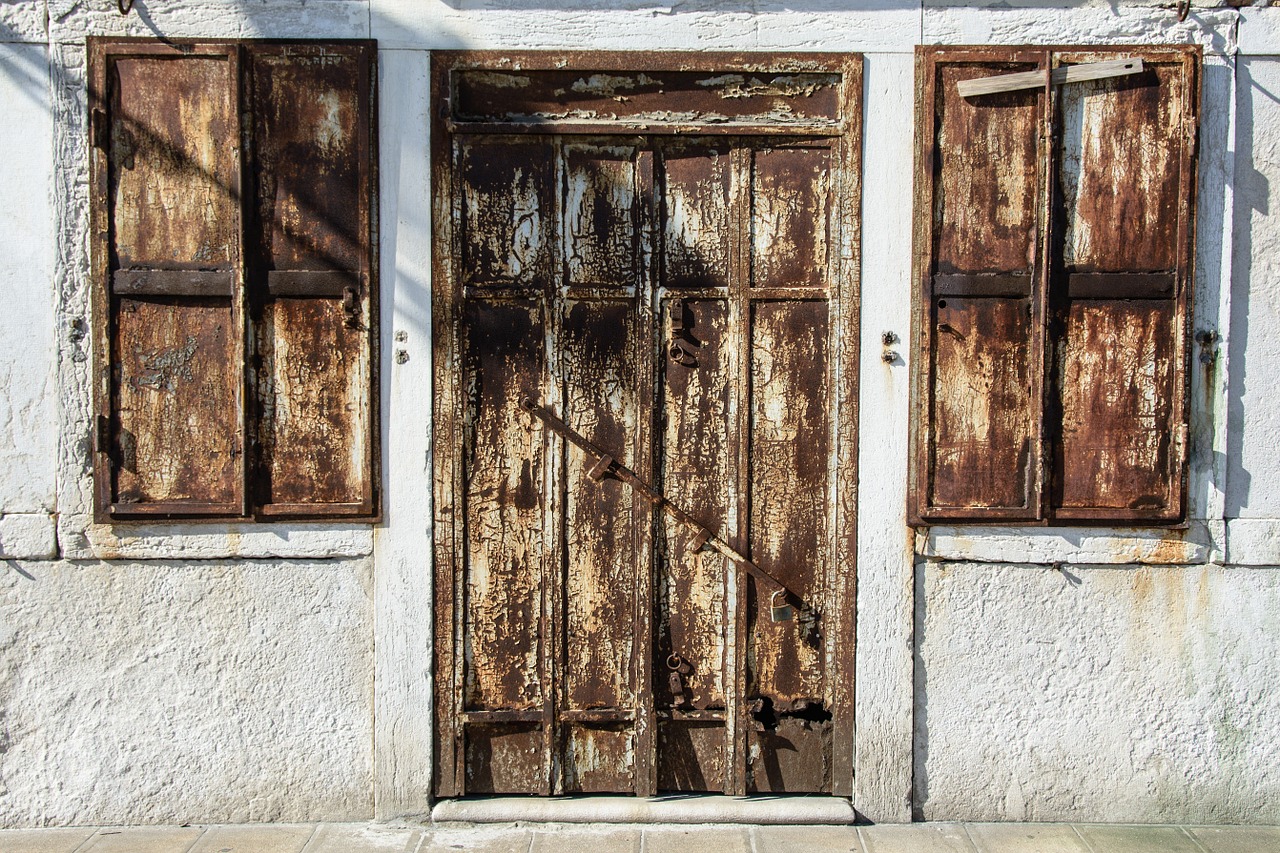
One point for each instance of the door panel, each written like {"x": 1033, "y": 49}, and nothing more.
{"x": 601, "y": 518}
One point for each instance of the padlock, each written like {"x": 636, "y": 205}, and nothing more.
{"x": 780, "y": 612}
{"x": 675, "y": 680}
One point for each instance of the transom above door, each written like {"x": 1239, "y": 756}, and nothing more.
{"x": 665, "y": 258}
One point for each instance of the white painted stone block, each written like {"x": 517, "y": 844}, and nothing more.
{"x": 1215, "y": 29}
{"x": 1077, "y": 545}
{"x": 1253, "y": 339}
{"x": 827, "y": 25}
{"x": 186, "y": 692}
{"x": 72, "y": 20}
{"x": 1140, "y": 695}
{"x": 402, "y": 591}
{"x": 882, "y": 728}
{"x": 28, "y": 536}
{"x": 1253, "y": 542}
{"x": 28, "y": 404}
{"x": 23, "y": 21}
{"x": 1260, "y": 31}
{"x": 216, "y": 541}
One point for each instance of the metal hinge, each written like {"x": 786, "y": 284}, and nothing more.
{"x": 99, "y": 129}
{"x": 101, "y": 434}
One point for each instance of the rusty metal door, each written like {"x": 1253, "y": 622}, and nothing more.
{"x": 677, "y": 282}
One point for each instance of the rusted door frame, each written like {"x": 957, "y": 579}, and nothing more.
{"x": 448, "y": 474}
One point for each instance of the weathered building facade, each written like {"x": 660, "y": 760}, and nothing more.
{"x": 340, "y": 372}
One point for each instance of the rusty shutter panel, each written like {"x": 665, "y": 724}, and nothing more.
{"x": 167, "y": 250}
{"x": 1125, "y": 194}
{"x": 979, "y": 201}
{"x": 311, "y": 277}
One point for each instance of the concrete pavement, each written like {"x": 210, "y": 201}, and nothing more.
{"x": 612, "y": 838}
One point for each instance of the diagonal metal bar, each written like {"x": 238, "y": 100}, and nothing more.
{"x": 607, "y": 465}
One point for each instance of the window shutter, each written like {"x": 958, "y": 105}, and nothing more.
{"x": 1126, "y": 186}
{"x": 980, "y": 267}
{"x": 235, "y": 306}
{"x": 311, "y": 268}
{"x": 167, "y": 247}
{"x": 1055, "y": 238}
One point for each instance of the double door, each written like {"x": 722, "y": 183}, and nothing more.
{"x": 683, "y": 302}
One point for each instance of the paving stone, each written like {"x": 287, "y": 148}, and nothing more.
{"x": 142, "y": 839}
{"x": 697, "y": 840}
{"x": 572, "y": 839}
{"x": 811, "y": 839}
{"x": 915, "y": 838}
{"x": 364, "y": 838}
{"x": 1238, "y": 839}
{"x": 1019, "y": 837}
{"x": 255, "y": 838}
{"x": 1119, "y": 838}
{"x": 480, "y": 839}
{"x": 60, "y": 840}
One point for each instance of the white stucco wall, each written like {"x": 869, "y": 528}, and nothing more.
{"x": 255, "y": 672}
{"x": 1107, "y": 693}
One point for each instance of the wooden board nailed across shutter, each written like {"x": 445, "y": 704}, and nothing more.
{"x": 167, "y": 177}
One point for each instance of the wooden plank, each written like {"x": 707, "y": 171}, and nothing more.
{"x": 791, "y": 217}
{"x": 319, "y": 283}
{"x": 504, "y": 540}
{"x": 311, "y": 241}
{"x": 1119, "y": 441}
{"x": 1059, "y": 76}
{"x": 791, "y": 435}
{"x": 176, "y": 391}
{"x": 1007, "y": 286}
{"x": 987, "y": 176}
{"x": 1120, "y": 150}
{"x": 982, "y": 414}
{"x": 1121, "y": 285}
{"x": 135, "y": 282}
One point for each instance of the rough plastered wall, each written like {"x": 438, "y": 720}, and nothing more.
{"x": 282, "y": 672}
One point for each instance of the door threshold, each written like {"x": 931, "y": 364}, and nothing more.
{"x": 671, "y": 808}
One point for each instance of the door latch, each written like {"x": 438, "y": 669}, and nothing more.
{"x": 680, "y": 349}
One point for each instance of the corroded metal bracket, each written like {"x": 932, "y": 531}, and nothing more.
{"x": 607, "y": 465}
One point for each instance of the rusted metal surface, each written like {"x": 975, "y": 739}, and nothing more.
{"x": 210, "y": 342}
{"x": 1053, "y": 233}
{"x": 610, "y": 278}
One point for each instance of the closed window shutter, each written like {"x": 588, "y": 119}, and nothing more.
{"x": 1125, "y": 190}
{"x": 168, "y": 252}
{"x": 981, "y": 275}
{"x": 310, "y": 274}
{"x": 235, "y": 298}
{"x": 1054, "y": 261}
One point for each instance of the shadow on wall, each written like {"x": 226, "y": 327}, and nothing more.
{"x": 1252, "y": 190}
